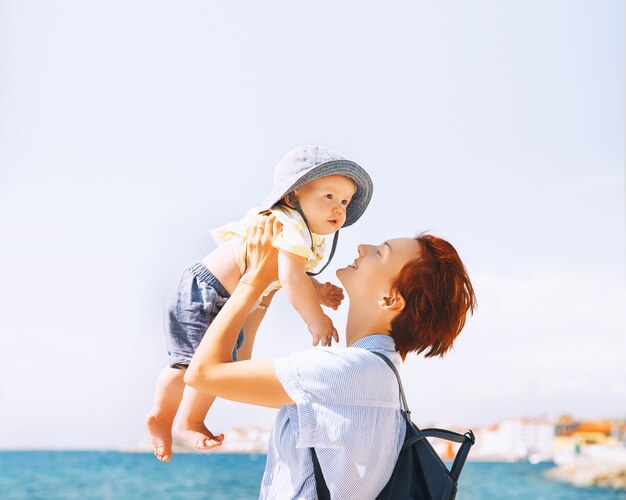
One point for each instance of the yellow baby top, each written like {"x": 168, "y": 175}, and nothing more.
{"x": 293, "y": 238}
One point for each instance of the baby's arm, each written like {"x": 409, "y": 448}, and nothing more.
{"x": 304, "y": 298}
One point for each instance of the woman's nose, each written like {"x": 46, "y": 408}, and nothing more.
{"x": 363, "y": 249}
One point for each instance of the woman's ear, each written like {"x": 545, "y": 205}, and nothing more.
{"x": 392, "y": 303}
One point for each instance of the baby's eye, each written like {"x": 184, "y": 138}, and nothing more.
{"x": 379, "y": 253}
{"x": 344, "y": 202}
{"x": 329, "y": 196}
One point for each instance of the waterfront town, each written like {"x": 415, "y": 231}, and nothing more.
{"x": 584, "y": 452}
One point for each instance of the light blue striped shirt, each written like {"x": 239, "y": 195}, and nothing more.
{"x": 348, "y": 408}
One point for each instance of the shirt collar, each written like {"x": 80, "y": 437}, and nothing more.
{"x": 376, "y": 342}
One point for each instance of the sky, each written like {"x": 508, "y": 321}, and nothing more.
{"x": 128, "y": 130}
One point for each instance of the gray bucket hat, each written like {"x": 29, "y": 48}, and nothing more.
{"x": 306, "y": 163}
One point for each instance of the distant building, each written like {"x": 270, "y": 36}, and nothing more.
{"x": 565, "y": 425}
{"x": 245, "y": 440}
{"x": 581, "y": 438}
{"x": 515, "y": 439}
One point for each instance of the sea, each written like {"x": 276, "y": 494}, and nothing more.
{"x": 122, "y": 475}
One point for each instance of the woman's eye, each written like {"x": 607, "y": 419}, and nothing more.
{"x": 344, "y": 202}
{"x": 380, "y": 254}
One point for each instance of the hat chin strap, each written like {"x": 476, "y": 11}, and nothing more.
{"x": 298, "y": 208}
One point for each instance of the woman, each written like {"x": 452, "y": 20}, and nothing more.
{"x": 405, "y": 295}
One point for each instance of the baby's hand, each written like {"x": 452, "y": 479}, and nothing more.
{"x": 330, "y": 295}
{"x": 323, "y": 330}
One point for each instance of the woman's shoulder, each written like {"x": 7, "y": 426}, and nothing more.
{"x": 338, "y": 356}
{"x": 350, "y": 367}
{"x": 356, "y": 357}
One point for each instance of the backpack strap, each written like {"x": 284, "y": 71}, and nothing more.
{"x": 393, "y": 367}
{"x": 440, "y": 434}
{"x": 461, "y": 456}
{"x": 466, "y": 440}
{"x": 320, "y": 482}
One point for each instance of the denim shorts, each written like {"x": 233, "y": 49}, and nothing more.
{"x": 191, "y": 305}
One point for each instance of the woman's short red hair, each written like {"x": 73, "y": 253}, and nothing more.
{"x": 438, "y": 295}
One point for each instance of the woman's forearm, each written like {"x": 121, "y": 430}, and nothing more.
{"x": 212, "y": 371}
{"x": 217, "y": 345}
{"x": 251, "y": 326}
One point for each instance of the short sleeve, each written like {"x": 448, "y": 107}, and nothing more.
{"x": 327, "y": 386}
{"x": 294, "y": 237}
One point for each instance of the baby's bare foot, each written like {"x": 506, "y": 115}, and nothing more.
{"x": 198, "y": 436}
{"x": 161, "y": 434}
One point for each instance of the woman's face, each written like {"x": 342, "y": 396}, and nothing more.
{"x": 374, "y": 269}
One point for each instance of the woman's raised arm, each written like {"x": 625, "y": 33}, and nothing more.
{"x": 211, "y": 369}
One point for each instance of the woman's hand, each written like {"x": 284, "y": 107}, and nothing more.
{"x": 261, "y": 256}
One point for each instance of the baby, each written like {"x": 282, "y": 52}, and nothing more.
{"x": 315, "y": 192}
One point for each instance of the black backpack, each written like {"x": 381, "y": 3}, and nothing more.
{"x": 419, "y": 474}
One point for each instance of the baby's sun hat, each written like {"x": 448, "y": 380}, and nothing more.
{"x": 306, "y": 163}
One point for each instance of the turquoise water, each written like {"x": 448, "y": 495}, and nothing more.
{"x": 114, "y": 475}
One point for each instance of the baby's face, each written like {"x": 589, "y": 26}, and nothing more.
{"x": 324, "y": 202}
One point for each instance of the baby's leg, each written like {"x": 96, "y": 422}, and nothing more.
{"x": 167, "y": 395}
{"x": 190, "y": 425}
